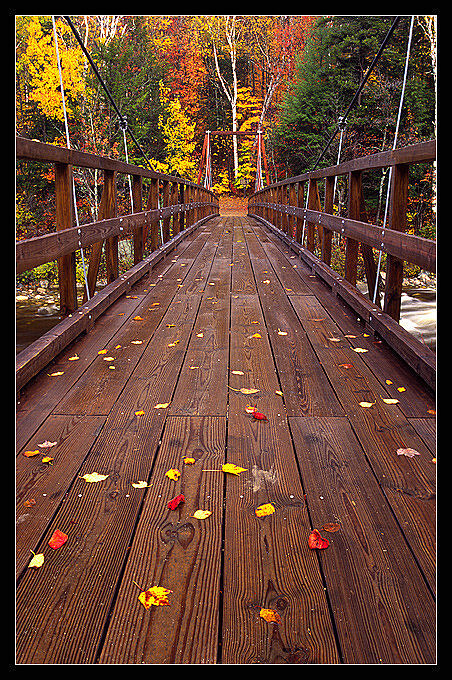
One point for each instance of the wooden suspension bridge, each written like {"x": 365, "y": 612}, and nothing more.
{"x": 160, "y": 370}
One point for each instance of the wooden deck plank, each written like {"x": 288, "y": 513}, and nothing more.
{"x": 368, "y": 598}
{"x": 383, "y": 610}
{"x": 267, "y": 561}
{"x": 174, "y": 550}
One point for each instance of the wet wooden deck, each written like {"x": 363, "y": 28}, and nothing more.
{"x": 369, "y": 598}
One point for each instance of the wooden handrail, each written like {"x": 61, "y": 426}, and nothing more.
{"x": 277, "y": 202}
{"x": 199, "y": 203}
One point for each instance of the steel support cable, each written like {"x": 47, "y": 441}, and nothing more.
{"x": 69, "y": 146}
{"x": 361, "y": 85}
{"x": 393, "y": 147}
{"x": 107, "y": 91}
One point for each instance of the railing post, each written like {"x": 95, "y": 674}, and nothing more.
{"x": 313, "y": 204}
{"x": 354, "y": 209}
{"x": 328, "y": 208}
{"x": 166, "y": 202}
{"x": 300, "y": 204}
{"x": 111, "y": 244}
{"x": 181, "y": 200}
{"x": 292, "y": 202}
{"x": 394, "y": 266}
{"x": 63, "y": 219}
{"x": 137, "y": 199}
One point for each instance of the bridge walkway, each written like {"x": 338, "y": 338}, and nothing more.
{"x": 230, "y": 320}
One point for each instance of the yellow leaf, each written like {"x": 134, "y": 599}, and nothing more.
{"x": 162, "y": 405}
{"x": 233, "y": 469}
{"x": 47, "y": 459}
{"x": 94, "y": 477}
{"x": 201, "y": 514}
{"x": 55, "y": 374}
{"x": 359, "y": 349}
{"x": 280, "y": 332}
{"x": 137, "y": 342}
{"x": 366, "y": 404}
{"x": 388, "y": 382}
{"x": 138, "y": 318}
{"x": 270, "y": 615}
{"x": 401, "y": 389}
{"x": 74, "y": 358}
{"x": 102, "y": 351}
{"x": 154, "y": 596}
{"x": 140, "y": 485}
{"x": 390, "y": 401}
{"x": 238, "y": 372}
{"x": 173, "y": 474}
{"x": 189, "y": 461}
{"x": 109, "y": 358}
{"x": 139, "y": 413}
{"x": 264, "y": 510}
{"x": 37, "y": 560}
{"x": 256, "y": 335}
{"x": 199, "y": 335}
{"x": 279, "y": 392}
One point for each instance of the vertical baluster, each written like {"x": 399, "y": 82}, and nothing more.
{"x": 394, "y": 266}
{"x": 138, "y": 242}
{"x": 63, "y": 219}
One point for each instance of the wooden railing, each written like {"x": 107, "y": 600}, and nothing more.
{"x": 282, "y": 207}
{"x": 174, "y": 207}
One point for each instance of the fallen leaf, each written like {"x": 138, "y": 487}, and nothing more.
{"x": 154, "y": 596}
{"x": 259, "y": 416}
{"x": 334, "y": 339}
{"x": 29, "y": 503}
{"x": 233, "y": 469}
{"x": 29, "y": 454}
{"x": 138, "y": 318}
{"x": 47, "y": 445}
{"x": 55, "y": 374}
{"x": 47, "y": 459}
{"x": 199, "y": 335}
{"x": 162, "y": 405}
{"x": 201, "y": 514}
{"x": 109, "y": 358}
{"x": 367, "y": 404}
{"x": 37, "y": 560}
{"x": 266, "y": 281}
{"x": 244, "y": 390}
{"x": 270, "y": 615}
{"x": 94, "y": 477}
{"x": 189, "y": 461}
{"x": 250, "y": 409}
{"x": 331, "y": 526}
{"x": 264, "y": 510}
{"x": 173, "y": 474}
{"x": 172, "y": 505}
{"x": 350, "y": 336}
{"x": 74, "y": 358}
{"x": 388, "y": 382}
{"x": 256, "y": 335}
{"x": 139, "y": 413}
{"x": 140, "y": 484}
{"x": 359, "y": 349}
{"x": 58, "y": 539}
{"x": 102, "y": 351}
{"x": 280, "y": 332}
{"x": 410, "y": 453}
{"x": 238, "y": 372}
{"x": 345, "y": 365}
{"x": 279, "y": 392}
{"x": 401, "y": 389}
{"x": 316, "y": 541}
{"x": 136, "y": 342}
{"x": 390, "y": 401}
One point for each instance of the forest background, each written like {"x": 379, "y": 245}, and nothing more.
{"x": 174, "y": 77}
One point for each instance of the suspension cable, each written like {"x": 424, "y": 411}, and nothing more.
{"x": 358, "y": 91}
{"x": 393, "y": 147}
{"x": 69, "y": 146}
{"x": 107, "y": 91}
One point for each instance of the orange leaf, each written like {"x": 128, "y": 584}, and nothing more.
{"x": 29, "y": 454}
{"x": 154, "y": 596}
{"x": 270, "y": 615}
{"x": 264, "y": 510}
{"x": 58, "y": 539}
{"x": 316, "y": 541}
{"x": 331, "y": 526}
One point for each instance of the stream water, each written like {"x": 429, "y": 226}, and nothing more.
{"x": 38, "y": 312}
